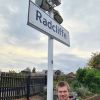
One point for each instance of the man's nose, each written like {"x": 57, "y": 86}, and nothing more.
{"x": 62, "y": 93}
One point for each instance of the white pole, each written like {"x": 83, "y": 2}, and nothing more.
{"x": 50, "y": 66}
{"x": 50, "y": 70}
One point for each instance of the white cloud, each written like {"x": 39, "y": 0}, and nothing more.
{"x": 13, "y": 9}
{"x": 73, "y": 26}
{"x": 21, "y": 45}
{"x": 3, "y": 24}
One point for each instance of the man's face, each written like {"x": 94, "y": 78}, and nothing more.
{"x": 63, "y": 93}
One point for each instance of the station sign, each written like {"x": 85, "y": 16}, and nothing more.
{"x": 41, "y": 21}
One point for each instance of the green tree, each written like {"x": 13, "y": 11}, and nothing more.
{"x": 34, "y": 70}
{"x": 95, "y": 61}
{"x": 81, "y": 75}
{"x": 89, "y": 78}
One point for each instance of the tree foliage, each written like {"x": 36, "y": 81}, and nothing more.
{"x": 81, "y": 75}
{"x": 34, "y": 70}
{"x": 89, "y": 78}
{"x": 95, "y": 61}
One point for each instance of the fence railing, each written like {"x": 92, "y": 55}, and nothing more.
{"x": 14, "y": 86}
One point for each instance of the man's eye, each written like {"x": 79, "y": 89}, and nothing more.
{"x": 64, "y": 91}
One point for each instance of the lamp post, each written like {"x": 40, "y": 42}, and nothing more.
{"x": 50, "y": 63}
{"x": 41, "y": 21}
{"x": 48, "y": 5}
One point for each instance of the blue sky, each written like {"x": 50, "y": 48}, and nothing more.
{"x": 22, "y": 46}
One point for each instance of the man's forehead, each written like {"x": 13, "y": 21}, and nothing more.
{"x": 62, "y": 88}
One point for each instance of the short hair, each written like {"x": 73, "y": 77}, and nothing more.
{"x": 62, "y": 84}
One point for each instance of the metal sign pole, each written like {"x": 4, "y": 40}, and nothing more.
{"x": 50, "y": 70}
{"x": 46, "y": 24}
{"x": 50, "y": 66}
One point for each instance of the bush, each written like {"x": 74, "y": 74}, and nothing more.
{"x": 89, "y": 78}
{"x": 83, "y": 92}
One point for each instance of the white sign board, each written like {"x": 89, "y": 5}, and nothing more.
{"x": 41, "y": 21}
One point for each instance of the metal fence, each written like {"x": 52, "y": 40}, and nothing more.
{"x": 14, "y": 86}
